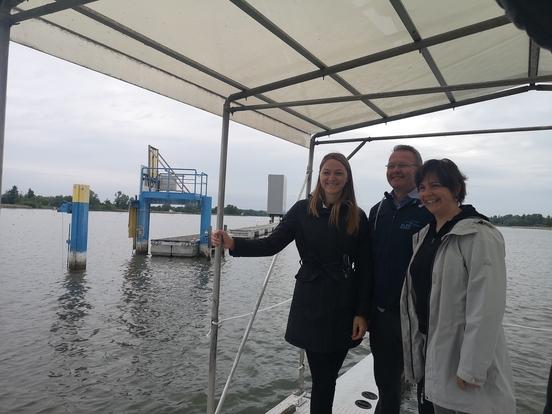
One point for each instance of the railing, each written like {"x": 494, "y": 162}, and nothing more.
{"x": 174, "y": 180}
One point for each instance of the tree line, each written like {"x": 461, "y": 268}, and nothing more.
{"x": 121, "y": 201}
{"x": 525, "y": 220}
{"x": 195, "y": 208}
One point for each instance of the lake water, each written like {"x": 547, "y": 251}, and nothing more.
{"x": 129, "y": 334}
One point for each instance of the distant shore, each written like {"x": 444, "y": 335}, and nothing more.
{"x": 526, "y": 227}
{"x": 16, "y": 206}
{"x": 114, "y": 210}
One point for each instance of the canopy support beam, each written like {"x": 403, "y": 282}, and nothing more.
{"x": 424, "y": 111}
{"x": 211, "y": 406}
{"x": 415, "y": 35}
{"x": 139, "y": 37}
{"x": 5, "y": 26}
{"x": 357, "y": 149}
{"x": 376, "y": 57}
{"x": 309, "y": 165}
{"x": 57, "y": 6}
{"x": 533, "y": 70}
{"x": 396, "y": 94}
{"x": 287, "y": 39}
{"x": 433, "y": 135}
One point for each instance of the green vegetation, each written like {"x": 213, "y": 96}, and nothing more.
{"x": 193, "y": 208}
{"x": 120, "y": 202}
{"x": 525, "y": 220}
{"x": 231, "y": 210}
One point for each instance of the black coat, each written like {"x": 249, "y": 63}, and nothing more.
{"x": 328, "y": 293}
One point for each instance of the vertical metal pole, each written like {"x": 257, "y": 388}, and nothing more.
{"x": 4, "y": 53}
{"x": 301, "y": 379}
{"x": 218, "y": 256}
{"x": 309, "y": 165}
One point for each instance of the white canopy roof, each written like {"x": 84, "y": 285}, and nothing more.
{"x": 200, "y": 52}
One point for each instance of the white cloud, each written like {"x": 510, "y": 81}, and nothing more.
{"x": 66, "y": 124}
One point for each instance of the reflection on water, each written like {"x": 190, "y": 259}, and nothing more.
{"x": 137, "y": 308}
{"x": 73, "y": 307}
{"x": 128, "y": 335}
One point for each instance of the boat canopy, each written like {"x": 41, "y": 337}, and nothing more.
{"x": 297, "y": 70}
{"x": 300, "y": 67}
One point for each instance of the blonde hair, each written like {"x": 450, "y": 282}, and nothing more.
{"x": 347, "y": 196}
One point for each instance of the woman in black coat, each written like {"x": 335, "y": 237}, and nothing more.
{"x": 330, "y": 305}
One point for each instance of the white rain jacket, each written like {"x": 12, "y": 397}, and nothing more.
{"x": 465, "y": 334}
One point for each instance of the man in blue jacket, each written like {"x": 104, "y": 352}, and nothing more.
{"x": 392, "y": 222}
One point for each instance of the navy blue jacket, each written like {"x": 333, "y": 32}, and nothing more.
{"x": 391, "y": 231}
{"x": 328, "y": 294}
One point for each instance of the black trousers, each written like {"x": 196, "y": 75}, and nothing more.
{"x": 424, "y": 406}
{"x": 386, "y": 346}
{"x": 548, "y": 406}
{"x": 324, "y": 369}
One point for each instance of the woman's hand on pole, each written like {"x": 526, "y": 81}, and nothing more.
{"x": 360, "y": 325}
{"x": 221, "y": 238}
{"x": 464, "y": 385}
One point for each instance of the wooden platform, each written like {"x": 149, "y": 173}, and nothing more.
{"x": 349, "y": 388}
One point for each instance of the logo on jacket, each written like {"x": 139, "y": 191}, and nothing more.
{"x": 411, "y": 225}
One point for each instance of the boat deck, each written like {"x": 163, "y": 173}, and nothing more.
{"x": 349, "y": 389}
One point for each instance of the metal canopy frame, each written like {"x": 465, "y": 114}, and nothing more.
{"x": 10, "y": 14}
{"x": 528, "y": 83}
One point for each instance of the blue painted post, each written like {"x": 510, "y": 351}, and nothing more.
{"x": 142, "y": 230}
{"x": 205, "y": 225}
{"x": 79, "y": 227}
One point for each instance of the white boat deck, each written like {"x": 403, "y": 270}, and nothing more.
{"x": 349, "y": 389}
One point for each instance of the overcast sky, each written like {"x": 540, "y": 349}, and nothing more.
{"x": 66, "y": 125}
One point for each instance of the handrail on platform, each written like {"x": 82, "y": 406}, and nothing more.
{"x": 179, "y": 180}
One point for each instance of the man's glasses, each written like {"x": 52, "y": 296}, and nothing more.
{"x": 399, "y": 166}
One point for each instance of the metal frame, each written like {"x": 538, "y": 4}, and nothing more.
{"x": 126, "y": 31}
{"x": 57, "y": 6}
{"x": 396, "y": 94}
{"x": 418, "y": 44}
{"x": 411, "y": 27}
{"x": 232, "y": 103}
{"x": 376, "y": 57}
{"x": 4, "y": 55}
{"x": 508, "y": 92}
{"x": 279, "y": 33}
{"x": 435, "y": 134}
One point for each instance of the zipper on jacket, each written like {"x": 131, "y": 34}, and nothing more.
{"x": 410, "y": 322}
{"x": 410, "y": 332}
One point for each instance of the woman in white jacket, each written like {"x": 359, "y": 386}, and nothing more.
{"x": 453, "y": 301}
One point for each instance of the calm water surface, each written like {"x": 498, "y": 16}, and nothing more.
{"x": 129, "y": 334}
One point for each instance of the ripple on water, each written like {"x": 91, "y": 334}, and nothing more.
{"x": 129, "y": 334}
